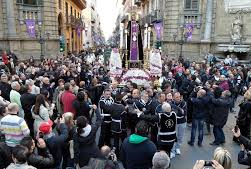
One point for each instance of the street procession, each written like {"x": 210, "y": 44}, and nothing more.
{"x": 125, "y": 84}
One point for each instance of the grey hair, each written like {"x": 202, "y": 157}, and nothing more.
{"x": 29, "y": 82}
{"x": 166, "y": 107}
{"x": 160, "y": 160}
{"x": 143, "y": 93}
{"x": 14, "y": 84}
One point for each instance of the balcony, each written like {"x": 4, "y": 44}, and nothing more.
{"x": 150, "y": 18}
{"x": 72, "y": 21}
{"x": 80, "y": 3}
{"x": 189, "y": 17}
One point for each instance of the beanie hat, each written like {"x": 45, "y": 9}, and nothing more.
{"x": 160, "y": 160}
{"x": 45, "y": 127}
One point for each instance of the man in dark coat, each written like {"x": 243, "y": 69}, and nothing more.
{"x": 220, "y": 116}
{"x": 137, "y": 150}
{"x": 199, "y": 115}
{"x": 5, "y": 87}
{"x": 27, "y": 101}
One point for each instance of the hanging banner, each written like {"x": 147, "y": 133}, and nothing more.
{"x": 31, "y": 27}
{"x": 189, "y": 30}
{"x": 134, "y": 41}
{"x": 79, "y": 30}
{"x": 158, "y": 26}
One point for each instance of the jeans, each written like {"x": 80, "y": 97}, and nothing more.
{"x": 180, "y": 135}
{"x": 218, "y": 134}
{"x": 197, "y": 123}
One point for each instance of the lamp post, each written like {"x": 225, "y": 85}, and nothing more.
{"x": 182, "y": 42}
{"x": 41, "y": 38}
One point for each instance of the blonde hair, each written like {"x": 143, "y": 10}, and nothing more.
{"x": 68, "y": 117}
{"x": 247, "y": 95}
{"x": 223, "y": 157}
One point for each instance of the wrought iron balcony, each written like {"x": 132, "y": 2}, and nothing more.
{"x": 150, "y": 18}
{"x": 73, "y": 21}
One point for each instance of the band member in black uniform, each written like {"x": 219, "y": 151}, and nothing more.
{"x": 130, "y": 102}
{"x": 167, "y": 121}
{"x": 118, "y": 126}
{"x": 104, "y": 104}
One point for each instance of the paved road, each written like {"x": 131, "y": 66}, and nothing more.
{"x": 190, "y": 154}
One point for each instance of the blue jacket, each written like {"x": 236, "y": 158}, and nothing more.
{"x": 55, "y": 143}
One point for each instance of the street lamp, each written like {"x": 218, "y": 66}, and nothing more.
{"x": 41, "y": 38}
{"x": 183, "y": 40}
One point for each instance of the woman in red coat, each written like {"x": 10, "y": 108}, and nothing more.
{"x": 5, "y": 58}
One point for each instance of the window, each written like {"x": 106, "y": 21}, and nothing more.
{"x": 60, "y": 4}
{"x": 71, "y": 10}
{"x": 191, "y": 4}
{"x": 30, "y": 2}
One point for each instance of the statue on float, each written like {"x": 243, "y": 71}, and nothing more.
{"x": 155, "y": 63}
{"x": 115, "y": 63}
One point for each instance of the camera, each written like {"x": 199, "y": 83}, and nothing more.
{"x": 236, "y": 128}
{"x": 208, "y": 164}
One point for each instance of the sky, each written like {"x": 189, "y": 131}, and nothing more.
{"x": 108, "y": 11}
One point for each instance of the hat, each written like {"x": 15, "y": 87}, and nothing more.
{"x": 45, "y": 127}
{"x": 160, "y": 160}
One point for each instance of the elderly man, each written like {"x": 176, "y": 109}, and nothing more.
{"x": 167, "y": 121}
{"x": 15, "y": 97}
{"x": 13, "y": 127}
{"x": 199, "y": 116}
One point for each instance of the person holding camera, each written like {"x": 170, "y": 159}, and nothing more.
{"x": 85, "y": 146}
{"x": 38, "y": 156}
{"x": 243, "y": 158}
{"x": 54, "y": 142}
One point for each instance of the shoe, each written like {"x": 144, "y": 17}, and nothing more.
{"x": 178, "y": 151}
{"x": 200, "y": 144}
{"x": 190, "y": 143}
{"x": 172, "y": 155}
{"x": 222, "y": 142}
{"x": 214, "y": 144}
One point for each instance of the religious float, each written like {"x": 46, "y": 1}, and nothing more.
{"x": 137, "y": 62}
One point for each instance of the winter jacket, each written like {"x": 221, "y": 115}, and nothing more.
{"x": 199, "y": 105}
{"x": 5, "y": 155}
{"x": 137, "y": 152}
{"x": 55, "y": 143}
{"x": 67, "y": 99}
{"x": 85, "y": 146}
{"x": 82, "y": 108}
{"x": 41, "y": 159}
{"x": 221, "y": 110}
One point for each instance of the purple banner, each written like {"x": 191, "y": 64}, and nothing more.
{"x": 79, "y": 29}
{"x": 189, "y": 30}
{"x": 134, "y": 41}
{"x": 158, "y": 28}
{"x": 31, "y": 27}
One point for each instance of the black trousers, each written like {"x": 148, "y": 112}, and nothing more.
{"x": 118, "y": 137}
{"x": 105, "y": 135}
{"x": 166, "y": 147}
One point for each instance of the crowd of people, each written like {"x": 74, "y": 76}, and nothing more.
{"x": 69, "y": 113}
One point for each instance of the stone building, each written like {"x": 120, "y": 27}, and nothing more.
{"x": 71, "y": 24}
{"x": 41, "y": 14}
{"x": 213, "y": 29}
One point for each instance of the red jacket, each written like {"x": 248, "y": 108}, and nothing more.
{"x": 5, "y": 59}
{"x": 67, "y": 99}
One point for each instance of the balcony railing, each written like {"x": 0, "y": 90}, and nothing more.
{"x": 194, "y": 18}
{"x": 150, "y": 18}
{"x": 73, "y": 21}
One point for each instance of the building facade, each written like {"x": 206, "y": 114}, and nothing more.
{"x": 197, "y": 27}
{"x": 29, "y": 28}
{"x": 192, "y": 28}
{"x": 71, "y": 24}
